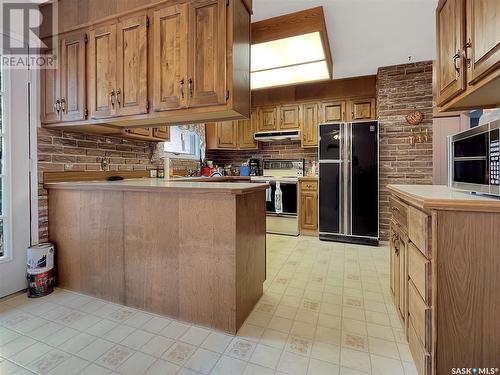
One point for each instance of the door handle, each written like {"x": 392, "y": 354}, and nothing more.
{"x": 119, "y": 97}
{"x": 57, "y": 106}
{"x": 182, "y": 88}
{"x": 466, "y": 55}
{"x": 63, "y": 105}
{"x": 112, "y": 97}
{"x": 456, "y": 58}
{"x": 190, "y": 87}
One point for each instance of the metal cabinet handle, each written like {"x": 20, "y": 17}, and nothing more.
{"x": 63, "y": 105}
{"x": 466, "y": 54}
{"x": 182, "y": 88}
{"x": 190, "y": 87}
{"x": 112, "y": 97}
{"x": 456, "y": 58}
{"x": 119, "y": 96}
{"x": 57, "y": 106}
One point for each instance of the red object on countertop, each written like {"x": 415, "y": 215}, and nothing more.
{"x": 206, "y": 171}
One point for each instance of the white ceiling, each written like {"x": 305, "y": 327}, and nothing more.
{"x": 367, "y": 34}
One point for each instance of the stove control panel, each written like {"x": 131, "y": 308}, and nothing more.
{"x": 494, "y": 157}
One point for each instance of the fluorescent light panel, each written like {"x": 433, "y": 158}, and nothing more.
{"x": 290, "y": 75}
{"x": 288, "y": 61}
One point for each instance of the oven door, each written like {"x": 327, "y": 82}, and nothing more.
{"x": 289, "y": 198}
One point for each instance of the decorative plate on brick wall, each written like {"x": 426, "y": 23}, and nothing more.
{"x": 414, "y": 117}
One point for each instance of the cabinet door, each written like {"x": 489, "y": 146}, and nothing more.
{"x": 309, "y": 123}
{"x": 362, "y": 109}
{"x": 144, "y": 132}
{"x": 395, "y": 266}
{"x": 450, "y": 24}
{"x": 132, "y": 66}
{"x": 267, "y": 119}
{"x": 163, "y": 132}
{"x": 227, "y": 134}
{"x": 170, "y": 62}
{"x": 102, "y": 71}
{"x": 289, "y": 117}
{"x": 50, "y": 99}
{"x": 246, "y": 131}
{"x": 207, "y": 52}
{"x": 332, "y": 111}
{"x": 73, "y": 73}
{"x": 483, "y": 37}
{"x": 309, "y": 210}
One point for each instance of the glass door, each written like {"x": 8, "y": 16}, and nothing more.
{"x": 14, "y": 179}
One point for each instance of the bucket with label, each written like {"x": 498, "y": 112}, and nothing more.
{"x": 40, "y": 267}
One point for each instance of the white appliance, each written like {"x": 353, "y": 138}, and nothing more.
{"x": 287, "y": 172}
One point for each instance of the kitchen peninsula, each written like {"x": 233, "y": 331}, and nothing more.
{"x": 193, "y": 251}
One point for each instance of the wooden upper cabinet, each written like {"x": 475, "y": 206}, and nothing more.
{"x": 362, "y": 109}
{"x": 309, "y": 124}
{"x": 332, "y": 111}
{"x": 170, "y": 63}
{"x": 482, "y": 48}
{"x": 102, "y": 71}
{"x": 289, "y": 117}
{"x": 227, "y": 133}
{"x": 132, "y": 64}
{"x": 72, "y": 77}
{"x": 267, "y": 118}
{"x": 162, "y": 132}
{"x": 450, "y": 22}
{"x": 246, "y": 131}
{"x": 206, "y": 83}
{"x": 50, "y": 98}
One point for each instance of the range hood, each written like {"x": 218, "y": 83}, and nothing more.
{"x": 273, "y": 136}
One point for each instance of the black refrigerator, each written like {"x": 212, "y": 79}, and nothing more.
{"x": 349, "y": 182}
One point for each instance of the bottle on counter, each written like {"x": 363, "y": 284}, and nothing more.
{"x": 278, "y": 199}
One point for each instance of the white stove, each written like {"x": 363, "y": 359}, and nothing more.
{"x": 287, "y": 173}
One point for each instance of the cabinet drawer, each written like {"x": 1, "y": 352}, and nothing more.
{"x": 418, "y": 230}
{"x": 309, "y": 185}
{"x": 420, "y": 314}
{"x": 419, "y": 271}
{"x": 420, "y": 355}
{"x": 399, "y": 212}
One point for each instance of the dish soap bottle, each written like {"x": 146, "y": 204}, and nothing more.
{"x": 278, "y": 199}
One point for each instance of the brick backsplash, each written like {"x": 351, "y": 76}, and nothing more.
{"x": 401, "y": 89}
{"x": 268, "y": 150}
{"x": 60, "y": 151}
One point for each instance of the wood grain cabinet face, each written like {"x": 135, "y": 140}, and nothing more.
{"x": 207, "y": 53}
{"x": 246, "y": 130}
{"x": 102, "y": 72}
{"x": 450, "y": 18}
{"x": 267, "y": 118}
{"x": 289, "y": 117}
{"x": 308, "y": 206}
{"x": 144, "y": 132}
{"x": 162, "y": 132}
{"x": 73, "y": 74}
{"x": 482, "y": 48}
{"x": 170, "y": 63}
{"x": 132, "y": 74}
{"x": 309, "y": 125}
{"x": 50, "y": 98}
{"x": 227, "y": 134}
{"x": 362, "y": 109}
{"x": 332, "y": 111}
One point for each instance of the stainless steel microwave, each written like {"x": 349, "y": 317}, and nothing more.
{"x": 473, "y": 159}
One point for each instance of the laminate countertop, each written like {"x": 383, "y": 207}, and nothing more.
{"x": 161, "y": 185}
{"x": 441, "y": 197}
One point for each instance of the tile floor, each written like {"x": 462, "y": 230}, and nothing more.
{"x": 326, "y": 310}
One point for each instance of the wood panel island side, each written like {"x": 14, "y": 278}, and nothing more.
{"x": 194, "y": 251}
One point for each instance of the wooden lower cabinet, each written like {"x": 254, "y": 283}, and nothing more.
{"x": 308, "y": 206}
{"x": 451, "y": 283}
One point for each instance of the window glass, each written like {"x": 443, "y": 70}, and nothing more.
{"x": 183, "y": 143}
